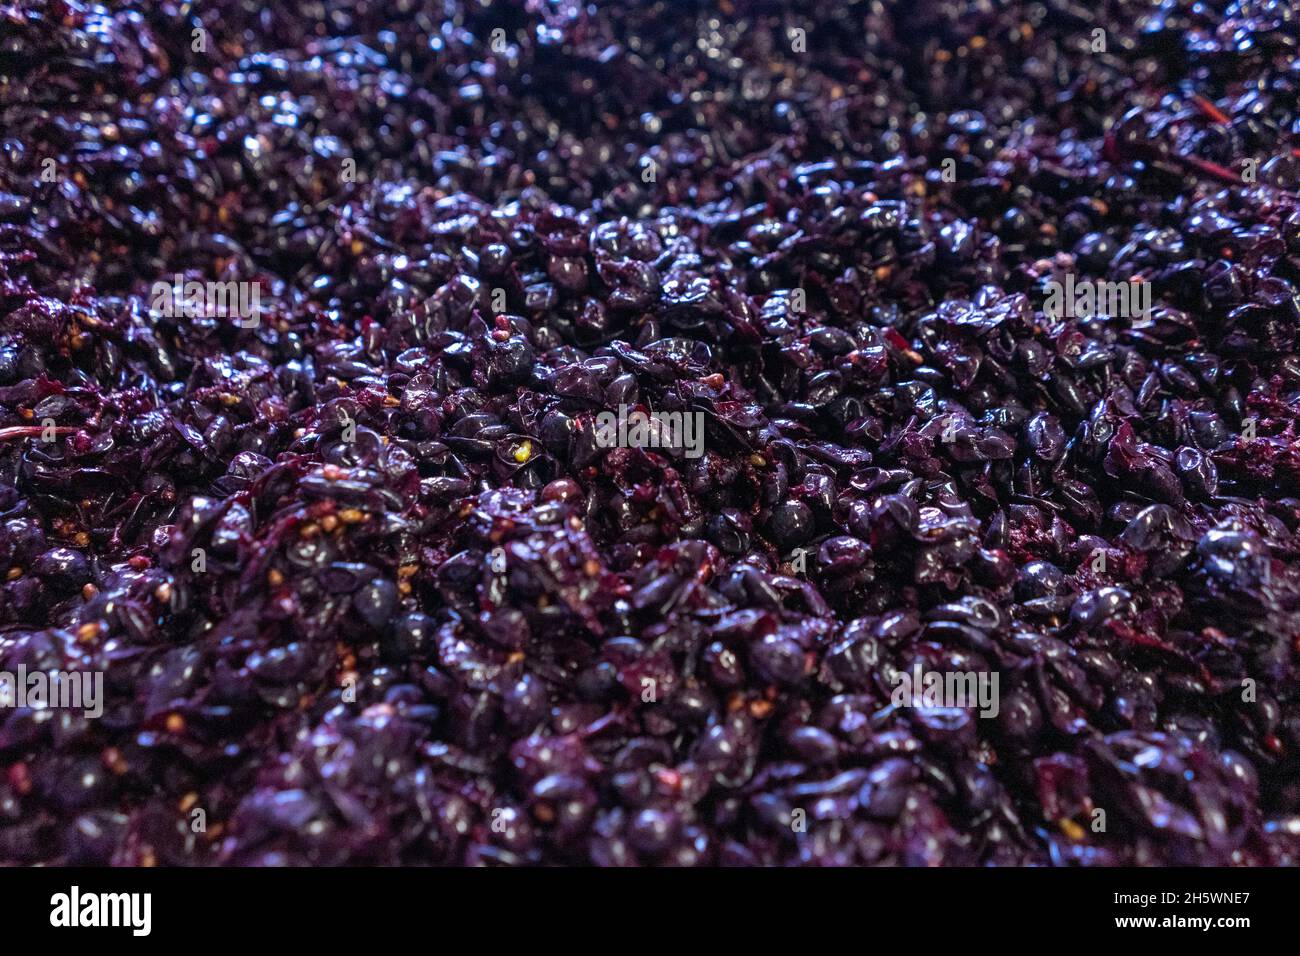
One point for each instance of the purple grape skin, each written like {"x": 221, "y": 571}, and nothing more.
{"x": 468, "y": 634}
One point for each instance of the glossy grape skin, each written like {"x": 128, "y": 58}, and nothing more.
{"x": 365, "y": 587}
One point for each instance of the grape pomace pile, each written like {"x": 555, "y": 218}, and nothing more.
{"x": 363, "y": 585}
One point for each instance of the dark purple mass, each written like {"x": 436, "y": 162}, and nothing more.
{"x": 968, "y": 335}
